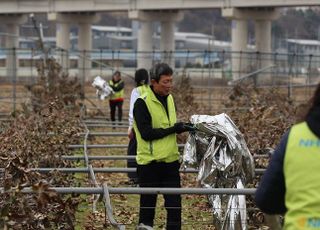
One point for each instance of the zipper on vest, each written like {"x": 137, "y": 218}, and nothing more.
{"x": 168, "y": 113}
{"x": 165, "y": 110}
{"x": 151, "y": 147}
{"x": 168, "y": 117}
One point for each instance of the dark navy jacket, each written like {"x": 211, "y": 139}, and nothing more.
{"x": 270, "y": 195}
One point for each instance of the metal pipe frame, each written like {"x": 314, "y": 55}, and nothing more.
{"x": 98, "y": 146}
{"x": 106, "y": 134}
{"x": 97, "y": 125}
{"x": 74, "y": 158}
{"x": 125, "y": 157}
{"x": 110, "y": 170}
{"x": 132, "y": 190}
{"x": 103, "y": 120}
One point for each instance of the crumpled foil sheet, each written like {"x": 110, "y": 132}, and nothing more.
{"x": 103, "y": 88}
{"x": 217, "y": 148}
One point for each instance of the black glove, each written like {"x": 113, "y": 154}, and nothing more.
{"x": 181, "y": 127}
{"x": 189, "y": 127}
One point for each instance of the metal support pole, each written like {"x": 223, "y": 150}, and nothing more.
{"x": 100, "y": 64}
{"x": 291, "y": 75}
{"x": 187, "y": 59}
{"x": 309, "y": 75}
{"x": 275, "y": 75}
{"x": 136, "y": 59}
{"x": 112, "y": 58}
{"x": 14, "y": 77}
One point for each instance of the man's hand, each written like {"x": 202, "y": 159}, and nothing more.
{"x": 181, "y": 127}
{"x": 130, "y": 133}
{"x": 189, "y": 127}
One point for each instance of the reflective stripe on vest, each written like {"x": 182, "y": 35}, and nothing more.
{"x": 118, "y": 94}
{"x": 302, "y": 179}
{"x": 166, "y": 148}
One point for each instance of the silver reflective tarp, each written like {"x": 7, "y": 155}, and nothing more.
{"x": 217, "y": 148}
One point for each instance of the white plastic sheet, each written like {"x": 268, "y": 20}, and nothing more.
{"x": 103, "y": 88}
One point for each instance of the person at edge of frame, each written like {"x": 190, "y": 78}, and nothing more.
{"x": 141, "y": 78}
{"x": 116, "y": 99}
{"x": 291, "y": 184}
{"x": 157, "y": 150}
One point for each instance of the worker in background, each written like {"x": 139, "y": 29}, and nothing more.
{"x": 291, "y": 182}
{"x": 141, "y": 79}
{"x": 116, "y": 99}
{"x": 157, "y": 150}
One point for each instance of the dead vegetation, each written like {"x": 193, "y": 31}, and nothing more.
{"x": 37, "y": 137}
{"x": 54, "y": 85}
{"x": 261, "y": 115}
{"x": 185, "y": 103}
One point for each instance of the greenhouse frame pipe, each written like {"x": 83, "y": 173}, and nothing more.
{"x": 139, "y": 190}
{"x": 103, "y": 121}
{"x": 110, "y": 170}
{"x": 98, "y": 146}
{"x": 106, "y": 125}
{"x": 107, "y": 134}
{"x": 6, "y": 119}
{"x": 125, "y": 110}
{"x": 107, "y": 146}
{"x": 126, "y": 157}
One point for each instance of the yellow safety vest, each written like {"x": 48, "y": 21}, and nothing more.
{"x": 302, "y": 179}
{"x": 142, "y": 89}
{"x": 166, "y": 148}
{"x": 118, "y": 94}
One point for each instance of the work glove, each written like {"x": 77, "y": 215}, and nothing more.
{"x": 189, "y": 127}
{"x": 181, "y": 127}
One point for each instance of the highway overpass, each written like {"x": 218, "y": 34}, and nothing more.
{"x": 45, "y": 6}
{"x": 84, "y": 13}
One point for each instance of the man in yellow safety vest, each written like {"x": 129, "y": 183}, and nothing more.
{"x": 157, "y": 150}
{"x": 116, "y": 99}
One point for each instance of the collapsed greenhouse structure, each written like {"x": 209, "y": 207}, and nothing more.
{"x": 63, "y": 162}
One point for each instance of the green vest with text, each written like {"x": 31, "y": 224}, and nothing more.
{"x": 118, "y": 94}
{"x": 302, "y": 179}
{"x": 164, "y": 149}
